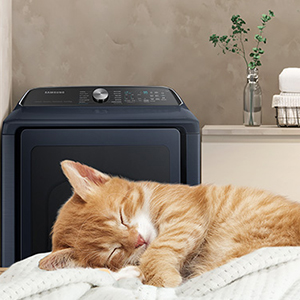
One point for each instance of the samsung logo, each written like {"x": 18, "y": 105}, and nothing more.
{"x": 54, "y": 92}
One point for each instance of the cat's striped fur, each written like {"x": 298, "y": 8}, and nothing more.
{"x": 168, "y": 231}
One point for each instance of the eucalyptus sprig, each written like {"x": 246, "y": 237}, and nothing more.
{"x": 235, "y": 41}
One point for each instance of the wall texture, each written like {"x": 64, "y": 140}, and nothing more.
{"x": 152, "y": 42}
{"x": 5, "y": 58}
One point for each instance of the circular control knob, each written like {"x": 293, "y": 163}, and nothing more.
{"x": 100, "y": 95}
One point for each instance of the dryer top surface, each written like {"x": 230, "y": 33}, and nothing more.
{"x": 100, "y": 96}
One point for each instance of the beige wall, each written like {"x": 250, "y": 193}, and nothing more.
{"x": 151, "y": 42}
{"x": 5, "y": 58}
{"x": 5, "y": 64}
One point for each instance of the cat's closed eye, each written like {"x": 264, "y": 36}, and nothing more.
{"x": 113, "y": 252}
{"x": 122, "y": 220}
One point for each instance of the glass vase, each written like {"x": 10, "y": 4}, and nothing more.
{"x": 252, "y": 100}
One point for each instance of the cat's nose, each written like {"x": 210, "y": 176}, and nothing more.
{"x": 140, "y": 241}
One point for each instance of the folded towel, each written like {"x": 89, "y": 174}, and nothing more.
{"x": 289, "y": 80}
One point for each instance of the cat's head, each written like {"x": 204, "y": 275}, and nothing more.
{"x": 106, "y": 223}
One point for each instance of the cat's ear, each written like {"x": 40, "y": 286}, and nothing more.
{"x": 83, "y": 178}
{"x": 58, "y": 260}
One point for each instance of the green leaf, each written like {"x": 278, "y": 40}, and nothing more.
{"x": 251, "y": 65}
{"x": 260, "y": 27}
{"x": 258, "y": 37}
{"x": 223, "y": 38}
{"x": 271, "y": 13}
{"x": 214, "y": 39}
{"x": 265, "y": 18}
{"x": 234, "y": 18}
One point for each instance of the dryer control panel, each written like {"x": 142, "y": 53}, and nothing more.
{"x": 101, "y": 96}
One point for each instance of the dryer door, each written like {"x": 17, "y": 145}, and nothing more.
{"x": 136, "y": 154}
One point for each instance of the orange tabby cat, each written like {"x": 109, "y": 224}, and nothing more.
{"x": 168, "y": 232}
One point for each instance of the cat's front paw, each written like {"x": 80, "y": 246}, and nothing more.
{"x": 168, "y": 278}
{"x": 128, "y": 272}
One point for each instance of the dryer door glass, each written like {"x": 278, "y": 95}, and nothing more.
{"x": 136, "y": 154}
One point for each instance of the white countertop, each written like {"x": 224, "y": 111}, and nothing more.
{"x": 262, "y": 130}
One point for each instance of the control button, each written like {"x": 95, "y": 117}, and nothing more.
{"x": 100, "y": 95}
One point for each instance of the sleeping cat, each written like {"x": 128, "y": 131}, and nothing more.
{"x": 167, "y": 232}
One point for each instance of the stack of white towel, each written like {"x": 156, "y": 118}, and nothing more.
{"x": 288, "y": 102}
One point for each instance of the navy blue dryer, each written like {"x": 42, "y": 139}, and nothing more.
{"x": 141, "y": 133}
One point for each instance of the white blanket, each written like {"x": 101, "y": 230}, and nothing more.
{"x": 268, "y": 273}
